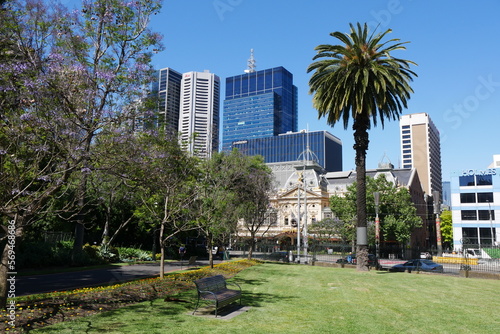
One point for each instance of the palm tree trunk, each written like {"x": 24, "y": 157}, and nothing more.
{"x": 361, "y": 146}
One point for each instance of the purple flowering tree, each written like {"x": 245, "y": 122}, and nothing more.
{"x": 108, "y": 45}
{"x": 112, "y": 189}
{"x": 65, "y": 76}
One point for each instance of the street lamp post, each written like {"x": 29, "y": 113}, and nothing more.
{"x": 298, "y": 224}
{"x": 493, "y": 243}
{"x": 376, "y": 196}
{"x": 435, "y": 195}
{"x": 299, "y": 181}
{"x": 306, "y": 238}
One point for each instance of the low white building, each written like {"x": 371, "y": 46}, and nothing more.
{"x": 475, "y": 206}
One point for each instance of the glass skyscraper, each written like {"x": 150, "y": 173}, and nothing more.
{"x": 259, "y": 104}
{"x": 286, "y": 147}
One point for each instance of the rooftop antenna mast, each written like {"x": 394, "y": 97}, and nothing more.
{"x": 251, "y": 63}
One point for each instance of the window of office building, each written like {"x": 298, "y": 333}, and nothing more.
{"x": 469, "y": 214}
{"x": 477, "y": 237}
{"x": 485, "y": 197}
{"x": 470, "y": 236}
{"x": 484, "y": 180}
{"x": 468, "y": 198}
{"x": 466, "y": 181}
{"x": 486, "y": 235}
{"x": 485, "y": 214}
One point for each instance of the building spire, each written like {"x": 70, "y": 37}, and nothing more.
{"x": 251, "y": 63}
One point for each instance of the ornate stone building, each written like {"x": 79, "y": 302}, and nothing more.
{"x": 301, "y": 200}
{"x": 303, "y": 190}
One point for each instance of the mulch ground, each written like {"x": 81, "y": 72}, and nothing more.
{"x": 58, "y": 307}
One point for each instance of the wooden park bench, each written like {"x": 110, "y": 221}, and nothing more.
{"x": 215, "y": 289}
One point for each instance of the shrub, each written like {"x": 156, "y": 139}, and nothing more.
{"x": 133, "y": 254}
{"x": 42, "y": 254}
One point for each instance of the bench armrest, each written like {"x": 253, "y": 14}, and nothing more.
{"x": 204, "y": 292}
{"x": 234, "y": 283}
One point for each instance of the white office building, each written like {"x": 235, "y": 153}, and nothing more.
{"x": 475, "y": 206}
{"x": 199, "y": 113}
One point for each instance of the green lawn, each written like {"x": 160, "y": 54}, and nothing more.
{"x": 305, "y": 299}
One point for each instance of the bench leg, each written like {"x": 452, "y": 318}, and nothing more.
{"x": 197, "y": 303}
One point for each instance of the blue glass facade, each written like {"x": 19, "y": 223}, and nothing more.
{"x": 288, "y": 147}
{"x": 259, "y": 104}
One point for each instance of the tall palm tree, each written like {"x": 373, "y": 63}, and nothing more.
{"x": 360, "y": 80}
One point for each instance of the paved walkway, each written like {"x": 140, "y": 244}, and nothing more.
{"x": 28, "y": 285}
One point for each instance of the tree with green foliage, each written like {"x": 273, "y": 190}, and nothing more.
{"x": 345, "y": 217}
{"x": 447, "y": 229}
{"x": 167, "y": 176}
{"x": 221, "y": 199}
{"x": 397, "y": 213}
{"x": 253, "y": 191}
{"x": 360, "y": 80}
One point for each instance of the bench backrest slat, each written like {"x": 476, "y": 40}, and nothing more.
{"x": 213, "y": 283}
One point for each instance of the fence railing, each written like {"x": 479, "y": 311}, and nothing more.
{"x": 465, "y": 262}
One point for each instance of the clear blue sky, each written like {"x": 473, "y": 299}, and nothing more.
{"x": 456, "y": 45}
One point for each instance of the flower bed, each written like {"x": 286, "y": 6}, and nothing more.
{"x": 37, "y": 311}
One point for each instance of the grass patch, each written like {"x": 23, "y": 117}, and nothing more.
{"x": 306, "y": 299}
{"x": 35, "y": 311}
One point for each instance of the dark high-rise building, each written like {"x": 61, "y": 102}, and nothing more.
{"x": 259, "y": 104}
{"x": 325, "y": 147}
{"x": 168, "y": 90}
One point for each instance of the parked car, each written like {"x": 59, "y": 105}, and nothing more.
{"x": 279, "y": 256}
{"x": 418, "y": 265}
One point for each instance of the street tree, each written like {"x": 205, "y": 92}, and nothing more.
{"x": 397, "y": 213}
{"x": 447, "y": 228}
{"x": 359, "y": 79}
{"x": 345, "y": 217}
{"x": 167, "y": 176}
{"x": 218, "y": 201}
{"x": 253, "y": 191}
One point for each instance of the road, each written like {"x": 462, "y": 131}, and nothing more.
{"x": 27, "y": 285}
